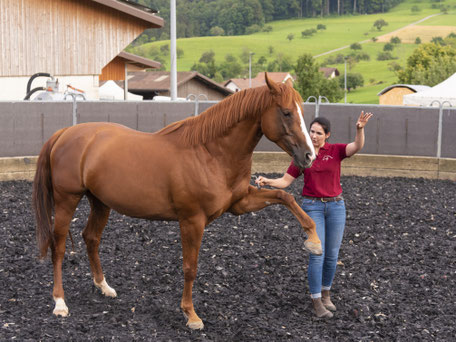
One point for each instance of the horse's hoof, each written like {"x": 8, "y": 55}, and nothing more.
{"x": 198, "y": 325}
{"x": 60, "y": 308}
{"x": 312, "y": 247}
{"x": 107, "y": 290}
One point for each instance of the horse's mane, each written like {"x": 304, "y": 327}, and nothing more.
{"x": 218, "y": 119}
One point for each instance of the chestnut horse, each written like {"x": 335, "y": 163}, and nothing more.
{"x": 191, "y": 171}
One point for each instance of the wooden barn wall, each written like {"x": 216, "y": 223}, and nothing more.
{"x": 115, "y": 70}
{"x": 62, "y": 37}
{"x": 196, "y": 88}
{"x": 394, "y": 96}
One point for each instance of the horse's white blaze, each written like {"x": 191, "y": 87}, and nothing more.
{"x": 60, "y": 307}
{"x": 105, "y": 288}
{"x": 304, "y": 131}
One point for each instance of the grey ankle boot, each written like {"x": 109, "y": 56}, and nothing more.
{"x": 320, "y": 309}
{"x": 326, "y": 300}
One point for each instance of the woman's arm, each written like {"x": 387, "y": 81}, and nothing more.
{"x": 358, "y": 144}
{"x": 281, "y": 182}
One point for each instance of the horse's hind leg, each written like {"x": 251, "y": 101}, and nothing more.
{"x": 98, "y": 218}
{"x": 64, "y": 210}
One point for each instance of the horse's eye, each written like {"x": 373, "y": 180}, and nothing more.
{"x": 286, "y": 113}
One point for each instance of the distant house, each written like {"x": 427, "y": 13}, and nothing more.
{"x": 393, "y": 95}
{"x": 72, "y": 40}
{"x": 329, "y": 72}
{"x": 157, "y": 83}
{"x": 236, "y": 84}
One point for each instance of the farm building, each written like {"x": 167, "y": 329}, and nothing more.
{"x": 394, "y": 95}
{"x": 236, "y": 84}
{"x": 75, "y": 41}
{"x": 329, "y": 72}
{"x": 157, "y": 83}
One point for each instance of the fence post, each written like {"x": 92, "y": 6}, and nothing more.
{"x": 75, "y": 105}
{"x": 439, "y": 130}
{"x": 196, "y": 99}
{"x": 316, "y": 104}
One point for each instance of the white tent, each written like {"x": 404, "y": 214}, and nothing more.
{"x": 111, "y": 91}
{"x": 445, "y": 91}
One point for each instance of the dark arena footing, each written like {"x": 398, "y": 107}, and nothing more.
{"x": 395, "y": 281}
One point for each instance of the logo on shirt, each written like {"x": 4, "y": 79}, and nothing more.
{"x": 327, "y": 157}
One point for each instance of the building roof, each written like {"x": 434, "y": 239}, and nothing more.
{"x": 136, "y": 10}
{"x": 278, "y": 77}
{"x": 328, "y": 71}
{"x": 259, "y": 80}
{"x": 414, "y": 88}
{"x": 160, "y": 81}
{"x": 243, "y": 83}
{"x": 139, "y": 61}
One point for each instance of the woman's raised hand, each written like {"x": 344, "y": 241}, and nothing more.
{"x": 363, "y": 119}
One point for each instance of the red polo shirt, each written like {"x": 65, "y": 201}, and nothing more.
{"x": 323, "y": 178}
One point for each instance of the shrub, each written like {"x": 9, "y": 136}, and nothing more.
{"x": 437, "y": 40}
{"x": 321, "y": 27}
{"x": 253, "y": 29}
{"x": 217, "y": 31}
{"x": 395, "y": 40}
{"x": 385, "y": 56}
{"x": 394, "y": 66}
{"x": 356, "y": 46}
{"x": 415, "y": 9}
{"x": 388, "y": 47}
{"x": 418, "y": 40}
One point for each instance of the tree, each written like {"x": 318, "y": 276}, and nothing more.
{"x": 356, "y": 46}
{"x": 354, "y": 80}
{"x": 418, "y": 40}
{"x": 388, "y": 47}
{"x": 217, "y": 31}
{"x": 395, "y": 40}
{"x": 290, "y": 36}
{"x": 429, "y": 64}
{"x": 311, "y": 82}
{"x": 379, "y": 23}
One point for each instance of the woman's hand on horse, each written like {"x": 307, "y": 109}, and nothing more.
{"x": 261, "y": 181}
{"x": 363, "y": 119}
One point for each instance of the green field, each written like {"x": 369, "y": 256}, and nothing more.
{"x": 340, "y": 32}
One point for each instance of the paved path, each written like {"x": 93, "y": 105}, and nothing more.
{"x": 368, "y": 40}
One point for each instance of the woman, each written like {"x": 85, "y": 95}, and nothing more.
{"x": 323, "y": 202}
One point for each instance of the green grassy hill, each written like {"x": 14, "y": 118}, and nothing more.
{"x": 340, "y": 32}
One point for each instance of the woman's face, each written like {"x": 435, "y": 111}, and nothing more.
{"x": 318, "y": 135}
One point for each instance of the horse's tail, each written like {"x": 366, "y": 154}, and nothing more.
{"x": 43, "y": 198}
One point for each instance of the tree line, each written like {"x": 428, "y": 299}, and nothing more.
{"x": 195, "y": 18}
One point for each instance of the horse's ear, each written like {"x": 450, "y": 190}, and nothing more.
{"x": 273, "y": 87}
{"x": 289, "y": 82}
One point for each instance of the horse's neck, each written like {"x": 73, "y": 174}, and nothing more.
{"x": 241, "y": 140}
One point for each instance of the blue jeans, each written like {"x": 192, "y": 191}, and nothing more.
{"x": 329, "y": 218}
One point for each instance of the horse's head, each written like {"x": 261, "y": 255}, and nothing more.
{"x": 283, "y": 123}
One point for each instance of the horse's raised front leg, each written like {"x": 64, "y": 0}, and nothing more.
{"x": 191, "y": 235}
{"x": 98, "y": 218}
{"x": 257, "y": 199}
{"x": 64, "y": 210}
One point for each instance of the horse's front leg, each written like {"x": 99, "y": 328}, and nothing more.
{"x": 191, "y": 235}
{"x": 257, "y": 199}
